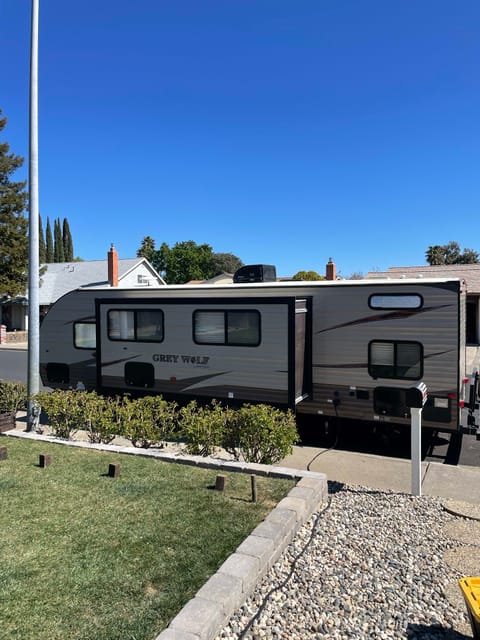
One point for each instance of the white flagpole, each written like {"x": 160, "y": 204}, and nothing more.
{"x": 33, "y": 380}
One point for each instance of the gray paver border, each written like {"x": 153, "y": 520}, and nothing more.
{"x": 203, "y": 617}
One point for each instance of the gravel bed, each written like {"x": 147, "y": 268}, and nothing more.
{"x": 369, "y": 565}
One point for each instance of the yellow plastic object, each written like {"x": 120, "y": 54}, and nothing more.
{"x": 471, "y": 592}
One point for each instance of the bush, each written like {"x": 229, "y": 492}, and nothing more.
{"x": 260, "y": 433}
{"x": 146, "y": 421}
{"x": 96, "y": 416}
{"x": 64, "y": 411}
{"x": 203, "y": 427}
{"x": 13, "y": 396}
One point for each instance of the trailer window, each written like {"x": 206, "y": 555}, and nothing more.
{"x": 84, "y": 335}
{"x": 140, "y": 325}
{"x": 395, "y": 301}
{"x": 395, "y": 360}
{"x": 233, "y": 328}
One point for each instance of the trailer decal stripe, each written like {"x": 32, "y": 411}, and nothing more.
{"x": 352, "y": 365}
{"x": 394, "y": 315}
{"x": 120, "y": 360}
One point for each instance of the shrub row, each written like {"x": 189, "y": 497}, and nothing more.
{"x": 13, "y": 396}
{"x": 255, "y": 433}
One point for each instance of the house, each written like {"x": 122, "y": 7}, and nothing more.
{"x": 221, "y": 278}
{"x": 61, "y": 277}
{"x": 468, "y": 272}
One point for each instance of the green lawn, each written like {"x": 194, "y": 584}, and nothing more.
{"x": 85, "y": 556}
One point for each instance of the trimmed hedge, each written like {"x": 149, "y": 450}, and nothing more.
{"x": 13, "y": 396}
{"x": 255, "y": 433}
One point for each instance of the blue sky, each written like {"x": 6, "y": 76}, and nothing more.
{"x": 283, "y": 132}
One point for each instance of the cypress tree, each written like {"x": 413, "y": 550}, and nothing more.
{"x": 42, "y": 251}
{"x": 49, "y": 255}
{"x": 67, "y": 242}
{"x": 58, "y": 255}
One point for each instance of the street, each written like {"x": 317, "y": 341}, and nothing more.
{"x": 13, "y": 364}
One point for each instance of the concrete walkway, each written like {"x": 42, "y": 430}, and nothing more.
{"x": 459, "y": 483}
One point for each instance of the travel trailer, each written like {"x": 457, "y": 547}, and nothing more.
{"x": 352, "y": 349}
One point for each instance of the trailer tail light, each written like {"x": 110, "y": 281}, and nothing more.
{"x": 461, "y": 404}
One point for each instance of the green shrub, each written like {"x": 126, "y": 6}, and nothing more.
{"x": 97, "y": 416}
{"x": 260, "y": 433}
{"x": 165, "y": 417}
{"x": 203, "y": 427}
{"x": 64, "y": 411}
{"x": 146, "y": 421}
{"x": 13, "y": 396}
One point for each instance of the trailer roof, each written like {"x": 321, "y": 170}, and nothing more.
{"x": 294, "y": 284}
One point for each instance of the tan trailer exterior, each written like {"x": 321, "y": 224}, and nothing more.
{"x": 345, "y": 348}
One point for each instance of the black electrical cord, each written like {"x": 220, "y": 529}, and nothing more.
{"x": 290, "y": 573}
{"x": 333, "y": 446}
{"x": 307, "y": 544}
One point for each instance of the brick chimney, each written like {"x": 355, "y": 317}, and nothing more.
{"x": 113, "y": 267}
{"x": 331, "y": 270}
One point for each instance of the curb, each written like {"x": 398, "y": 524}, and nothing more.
{"x": 203, "y": 617}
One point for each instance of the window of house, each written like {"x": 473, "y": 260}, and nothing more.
{"x": 233, "y": 328}
{"x": 395, "y": 359}
{"x": 139, "y": 325}
{"x": 395, "y": 301}
{"x": 84, "y": 335}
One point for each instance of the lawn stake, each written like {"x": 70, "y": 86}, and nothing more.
{"x": 253, "y": 482}
{"x": 45, "y": 460}
{"x": 220, "y": 483}
{"x": 114, "y": 470}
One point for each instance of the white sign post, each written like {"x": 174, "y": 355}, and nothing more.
{"x": 416, "y": 398}
{"x": 416, "y": 451}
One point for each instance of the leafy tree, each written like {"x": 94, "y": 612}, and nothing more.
{"x": 188, "y": 261}
{"x": 225, "y": 263}
{"x": 67, "y": 242}
{"x": 469, "y": 256}
{"x": 58, "y": 254}
{"x": 49, "y": 253}
{"x": 156, "y": 257}
{"x": 450, "y": 253}
{"x": 42, "y": 251}
{"x": 13, "y": 223}
{"x": 162, "y": 259}
{"x": 308, "y": 275}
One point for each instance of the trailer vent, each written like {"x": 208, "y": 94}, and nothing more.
{"x": 255, "y": 273}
